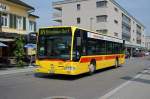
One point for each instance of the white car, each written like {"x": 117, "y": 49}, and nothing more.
{"x": 147, "y": 53}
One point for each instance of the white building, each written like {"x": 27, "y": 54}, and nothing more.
{"x": 104, "y": 16}
{"x": 16, "y": 19}
{"x": 147, "y": 42}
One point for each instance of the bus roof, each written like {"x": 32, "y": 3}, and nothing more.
{"x": 106, "y": 37}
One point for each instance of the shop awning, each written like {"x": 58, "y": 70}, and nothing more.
{"x": 3, "y": 45}
{"x": 6, "y": 40}
{"x": 30, "y": 45}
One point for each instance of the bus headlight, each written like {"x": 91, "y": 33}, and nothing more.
{"x": 70, "y": 68}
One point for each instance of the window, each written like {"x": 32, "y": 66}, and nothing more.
{"x": 32, "y": 26}
{"x": 100, "y": 47}
{"x": 116, "y": 9}
{"x": 101, "y": 18}
{"x": 96, "y": 47}
{"x": 116, "y": 34}
{"x": 78, "y": 20}
{"x": 100, "y": 4}
{"x": 115, "y": 21}
{"x": 12, "y": 21}
{"x": 19, "y": 22}
{"x": 78, "y": 6}
{"x": 4, "y": 20}
{"x": 103, "y": 31}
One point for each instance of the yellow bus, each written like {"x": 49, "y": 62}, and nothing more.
{"x": 73, "y": 51}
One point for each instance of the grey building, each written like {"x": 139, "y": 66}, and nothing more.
{"x": 147, "y": 42}
{"x": 102, "y": 16}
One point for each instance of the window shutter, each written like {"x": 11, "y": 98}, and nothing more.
{"x": 11, "y": 21}
{"x": 15, "y": 21}
{"x": 24, "y": 23}
{"x": 34, "y": 26}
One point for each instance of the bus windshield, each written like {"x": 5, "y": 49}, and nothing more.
{"x": 55, "y": 45}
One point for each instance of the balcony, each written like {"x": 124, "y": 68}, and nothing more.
{"x": 139, "y": 38}
{"x": 126, "y": 33}
{"x": 138, "y": 32}
{"x": 57, "y": 6}
{"x": 128, "y": 24}
{"x": 138, "y": 41}
{"x": 57, "y": 16}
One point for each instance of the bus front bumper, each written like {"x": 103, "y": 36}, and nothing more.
{"x": 56, "y": 71}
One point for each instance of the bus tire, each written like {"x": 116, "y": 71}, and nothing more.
{"x": 116, "y": 63}
{"x": 92, "y": 67}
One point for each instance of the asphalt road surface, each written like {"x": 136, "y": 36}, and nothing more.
{"x": 26, "y": 86}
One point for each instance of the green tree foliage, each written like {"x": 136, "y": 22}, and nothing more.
{"x": 19, "y": 51}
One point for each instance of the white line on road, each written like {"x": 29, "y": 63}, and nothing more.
{"x": 109, "y": 94}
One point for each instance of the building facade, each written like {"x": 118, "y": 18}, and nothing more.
{"x": 147, "y": 42}
{"x": 103, "y": 16}
{"x": 16, "y": 19}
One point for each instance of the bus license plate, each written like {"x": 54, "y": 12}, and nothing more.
{"x": 51, "y": 70}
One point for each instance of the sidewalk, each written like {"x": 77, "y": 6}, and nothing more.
{"x": 135, "y": 88}
{"x": 16, "y": 70}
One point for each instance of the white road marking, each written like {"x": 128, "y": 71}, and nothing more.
{"x": 59, "y": 97}
{"x": 109, "y": 94}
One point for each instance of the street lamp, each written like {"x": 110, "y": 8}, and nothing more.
{"x": 91, "y": 23}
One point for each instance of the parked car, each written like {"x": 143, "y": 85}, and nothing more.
{"x": 147, "y": 53}
{"x": 138, "y": 54}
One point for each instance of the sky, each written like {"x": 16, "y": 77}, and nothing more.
{"x": 140, "y": 9}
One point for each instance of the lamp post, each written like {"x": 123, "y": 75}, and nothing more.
{"x": 91, "y": 23}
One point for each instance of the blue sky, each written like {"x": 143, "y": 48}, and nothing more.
{"x": 138, "y": 8}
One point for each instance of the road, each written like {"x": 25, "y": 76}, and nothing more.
{"x": 26, "y": 86}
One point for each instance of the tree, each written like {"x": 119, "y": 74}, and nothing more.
{"x": 19, "y": 51}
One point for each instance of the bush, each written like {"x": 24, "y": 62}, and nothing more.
{"x": 19, "y": 51}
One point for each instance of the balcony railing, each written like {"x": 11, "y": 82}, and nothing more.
{"x": 126, "y": 23}
{"x": 139, "y": 32}
{"x": 57, "y": 15}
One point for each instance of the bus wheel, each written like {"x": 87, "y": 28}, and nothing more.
{"x": 116, "y": 63}
{"x": 92, "y": 67}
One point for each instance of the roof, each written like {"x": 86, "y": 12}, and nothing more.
{"x": 34, "y": 15}
{"x": 19, "y": 2}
